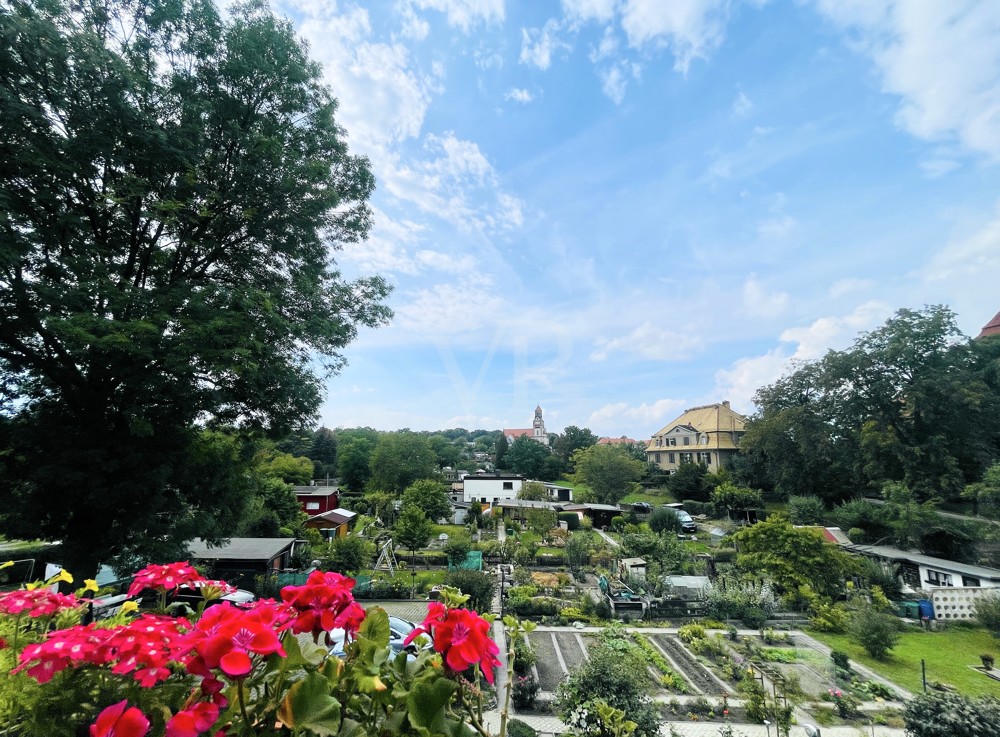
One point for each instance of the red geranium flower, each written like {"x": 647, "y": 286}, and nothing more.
{"x": 192, "y": 721}
{"x": 461, "y": 636}
{"x": 324, "y": 603}
{"x": 120, "y": 720}
{"x": 226, "y": 637}
{"x": 164, "y": 576}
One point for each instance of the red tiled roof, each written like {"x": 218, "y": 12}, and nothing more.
{"x": 616, "y": 441}
{"x": 516, "y": 433}
{"x": 991, "y": 328}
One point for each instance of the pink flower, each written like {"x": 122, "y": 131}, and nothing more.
{"x": 461, "y": 636}
{"x": 192, "y": 721}
{"x": 323, "y": 603}
{"x": 227, "y": 638}
{"x": 120, "y": 720}
{"x": 37, "y": 603}
{"x": 164, "y": 577}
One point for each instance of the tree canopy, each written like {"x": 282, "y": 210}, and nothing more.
{"x": 527, "y": 457}
{"x": 173, "y": 185}
{"x": 429, "y": 497}
{"x": 912, "y": 401}
{"x": 609, "y": 471}
{"x": 399, "y": 459}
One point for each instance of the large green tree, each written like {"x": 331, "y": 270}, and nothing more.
{"x": 399, "y": 459}
{"x": 527, "y": 457}
{"x": 413, "y": 530}
{"x": 911, "y": 401}
{"x": 430, "y": 497}
{"x": 172, "y": 187}
{"x": 571, "y": 440}
{"x": 609, "y": 471}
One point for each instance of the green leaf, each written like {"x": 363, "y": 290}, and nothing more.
{"x": 376, "y": 627}
{"x": 309, "y": 705}
{"x": 427, "y": 703}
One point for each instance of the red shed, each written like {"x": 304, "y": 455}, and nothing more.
{"x": 318, "y": 499}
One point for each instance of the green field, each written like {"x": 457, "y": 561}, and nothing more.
{"x": 948, "y": 654}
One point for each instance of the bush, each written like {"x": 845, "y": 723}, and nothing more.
{"x": 524, "y": 656}
{"x": 806, "y": 510}
{"x": 517, "y": 728}
{"x": 386, "y": 588}
{"x": 724, "y": 555}
{"x": 571, "y": 519}
{"x": 691, "y": 632}
{"x": 934, "y": 715}
{"x": 524, "y": 694}
{"x": 693, "y": 506}
{"x": 478, "y": 586}
{"x": 987, "y": 611}
{"x": 617, "y": 523}
{"x": 841, "y": 661}
{"x": 876, "y": 632}
{"x": 829, "y": 617}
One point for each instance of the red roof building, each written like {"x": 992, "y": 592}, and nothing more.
{"x": 990, "y": 328}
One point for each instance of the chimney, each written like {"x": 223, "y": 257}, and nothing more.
{"x": 725, "y": 403}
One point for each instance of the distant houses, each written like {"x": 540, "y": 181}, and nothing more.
{"x": 709, "y": 434}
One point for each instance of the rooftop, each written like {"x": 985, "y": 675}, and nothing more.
{"x": 241, "y": 548}
{"x": 882, "y": 551}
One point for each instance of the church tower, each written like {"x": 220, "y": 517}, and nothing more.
{"x": 539, "y": 427}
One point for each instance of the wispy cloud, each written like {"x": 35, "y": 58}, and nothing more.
{"x": 742, "y": 105}
{"x": 519, "y": 94}
{"x": 538, "y": 45}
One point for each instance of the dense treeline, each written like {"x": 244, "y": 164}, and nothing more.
{"x": 913, "y": 401}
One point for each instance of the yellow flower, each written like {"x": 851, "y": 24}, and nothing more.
{"x": 90, "y": 584}
{"x": 8, "y": 564}
{"x": 63, "y": 575}
{"x": 129, "y": 606}
{"x": 32, "y": 586}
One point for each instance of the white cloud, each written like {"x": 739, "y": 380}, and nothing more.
{"x": 690, "y": 28}
{"x": 741, "y": 381}
{"x": 414, "y": 27}
{"x": 742, "y": 105}
{"x": 941, "y": 59}
{"x": 938, "y": 166}
{"x": 758, "y": 302}
{"x": 518, "y": 94}
{"x": 601, "y": 11}
{"x": 465, "y": 14}
{"x": 846, "y": 286}
{"x": 649, "y": 341}
{"x": 539, "y": 45}
{"x": 776, "y": 227}
{"x": 385, "y": 250}
{"x": 607, "y": 47}
{"x": 974, "y": 255}
{"x": 613, "y": 83}
{"x": 461, "y": 306}
{"x": 654, "y": 415}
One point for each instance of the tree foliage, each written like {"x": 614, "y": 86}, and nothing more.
{"x": 429, "y": 497}
{"x": 791, "y": 557}
{"x": 571, "y": 440}
{"x": 533, "y": 491}
{"x": 689, "y": 482}
{"x": 527, "y": 457}
{"x": 399, "y": 459}
{"x": 172, "y": 186}
{"x": 876, "y": 631}
{"x": 912, "y": 401}
{"x": 731, "y": 499}
{"x": 951, "y": 714}
{"x": 987, "y": 609}
{"x": 608, "y": 471}
{"x": 413, "y": 530}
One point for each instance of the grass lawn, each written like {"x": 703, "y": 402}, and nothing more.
{"x": 948, "y": 655}
{"x": 451, "y": 530}
{"x": 653, "y": 496}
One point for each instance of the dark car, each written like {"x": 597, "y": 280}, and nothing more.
{"x": 642, "y": 508}
{"x": 687, "y": 523}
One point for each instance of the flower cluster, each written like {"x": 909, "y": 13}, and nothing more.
{"x": 226, "y": 637}
{"x": 461, "y": 636}
{"x": 323, "y": 603}
{"x": 120, "y": 720}
{"x": 144, "y": 647}
{"x": 164, "y": 577}
{"x": 36, "y": 603}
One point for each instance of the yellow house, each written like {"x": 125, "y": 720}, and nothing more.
{"x": 709, "y": 434}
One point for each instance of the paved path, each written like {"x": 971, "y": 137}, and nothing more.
{"x": 611, "y": 541}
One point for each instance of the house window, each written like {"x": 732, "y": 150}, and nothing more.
{"x": 686, "y": 457}
{"x": 671, "y": 441}
{"x": 658, "y": 442}
{"x": 657, "y": 456}
{"x": 704, "y": 439}
{"x": 508, "y": 485}
{"x": 687, "y": 440}
{"x": 671, "y": 458}
{"x": 970, "y": 581}
{"x": 312, "y": 506}
{"x": 705, "y": 458}
{"x": 936, "y": 578}
{"x": 482, "y": 499}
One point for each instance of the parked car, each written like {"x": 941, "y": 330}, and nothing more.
{"x": 642, "y": 508}
{"x": 687, "y": 522}
{"x": 399, "y": 630}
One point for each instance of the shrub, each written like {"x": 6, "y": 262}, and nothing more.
{"x": 806, "y": 510}
{"x": 524, "y": 693}
{"x": 478, "y": 586}
{"x": 517, "y": 728}
{"x": 876, "y": 632}
{"x": 617, "y": 523}
{"x": 691, "y": 632}
{"x": 571, "y": 519}
{"x": 841, "y": 661}
{"x": 829, "y": 617}
{"x": 936, "y": 714}
{"x": 693, "y": 506}
{"x": 724, "y": 555}
{"x": 987, "y": 611}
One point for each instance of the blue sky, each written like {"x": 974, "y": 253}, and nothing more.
{"x": 618, "y": 209}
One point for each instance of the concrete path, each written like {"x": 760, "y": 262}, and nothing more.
{"x": 611, "y": 541}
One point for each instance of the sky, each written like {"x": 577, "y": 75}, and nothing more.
{"x": 619, "y": 209}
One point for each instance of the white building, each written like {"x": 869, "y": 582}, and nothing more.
{"x": 490, "y": 488}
